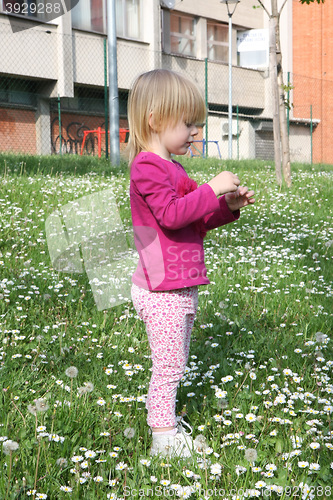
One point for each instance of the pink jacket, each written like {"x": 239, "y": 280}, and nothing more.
{"x": 171, "y": 216}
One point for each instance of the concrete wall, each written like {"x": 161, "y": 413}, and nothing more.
{"x": 59, "y": 57}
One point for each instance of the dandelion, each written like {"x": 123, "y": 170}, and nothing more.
{"x": 222, "y": 403}
{"x": 62, "y": 462}
{"x": 32, "y": 409}
{"x": 320, "y": 337}
{"x": 41, "y": 405}
{"x": 129, "y": 432}
{"x": 72, "y": 372}
{"x": 251, "y": 455}
{"x": 9, "y": 446}
{"x": 200, "y": 442}
{"x": 89, "y": 386}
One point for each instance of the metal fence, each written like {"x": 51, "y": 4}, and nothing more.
{"x": 54, "y": 99}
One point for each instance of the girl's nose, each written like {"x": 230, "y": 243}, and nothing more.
{"x": 194, "y": 130}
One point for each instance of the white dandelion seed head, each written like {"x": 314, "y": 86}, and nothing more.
{"x": 62, "y": 462}
{"x": 129, "y": 432}
{"x": 89, "y": 386}
{"x": 9, "y": 446}
{"x": 251, "y": 455}
{"x": 200, "y": 442}
{"x": 32, "y": 409}
{"x": 222, "y": 403}
{"x": 41, "y": 405}
{"x": 71, "y": 372}
{"x": 320, "y": 337}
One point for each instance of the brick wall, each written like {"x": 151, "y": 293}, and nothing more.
{"x": 313, "y": 72}
{"x": 72, "y": 128}
{"x": 17, "y": 131}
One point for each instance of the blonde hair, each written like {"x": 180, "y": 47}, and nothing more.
{"x": 170, "y": 97}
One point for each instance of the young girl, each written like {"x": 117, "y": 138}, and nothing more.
{"x": 171, "y": 216}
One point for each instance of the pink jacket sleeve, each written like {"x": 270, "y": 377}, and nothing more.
{"x": 220, "y": 217}
{"x": 158, "y": 191}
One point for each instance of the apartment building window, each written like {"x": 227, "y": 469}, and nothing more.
{"x": 128, "y": 16}
{"x": 90, "y": 15}
{"x": 18, "y": 92}
{"x": 217, "y": 42}
{"x": 182, "y": 34}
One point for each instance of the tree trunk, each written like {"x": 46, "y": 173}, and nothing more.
{"x": 275, "y": 96}
{"x": 282, "y": 110}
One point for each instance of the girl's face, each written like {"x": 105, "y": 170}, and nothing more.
{"x": 176, "y": 139}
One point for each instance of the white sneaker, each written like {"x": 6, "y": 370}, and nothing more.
{"x": 178, "y": 445}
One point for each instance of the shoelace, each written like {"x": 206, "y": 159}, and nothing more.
{"x": 181, "y": 424}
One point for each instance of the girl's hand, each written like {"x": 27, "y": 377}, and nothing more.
{"x": 239, "y": 198}
{"x": 224, "y": 183}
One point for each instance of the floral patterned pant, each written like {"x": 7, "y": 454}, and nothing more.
{"x": 169, "y": 318}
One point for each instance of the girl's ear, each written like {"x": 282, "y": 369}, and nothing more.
{"x": 151, "y": 121}
{"x": 153, "y": 124}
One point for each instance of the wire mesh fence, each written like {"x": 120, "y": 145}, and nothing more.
{"x": 54, "y": 99}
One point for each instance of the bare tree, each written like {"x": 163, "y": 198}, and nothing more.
{"x": 280, "y": 126}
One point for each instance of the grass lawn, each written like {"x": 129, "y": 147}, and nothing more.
{"x": 258, "y": 388}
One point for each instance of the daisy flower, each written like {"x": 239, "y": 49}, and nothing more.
{"x": 67, "y": 489}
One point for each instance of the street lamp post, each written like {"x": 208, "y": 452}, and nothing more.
{"x": 230, "y": 14}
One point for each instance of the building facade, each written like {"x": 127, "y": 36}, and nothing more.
{"x": 313, "y": 72}
{"x": 53, "y": 71}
